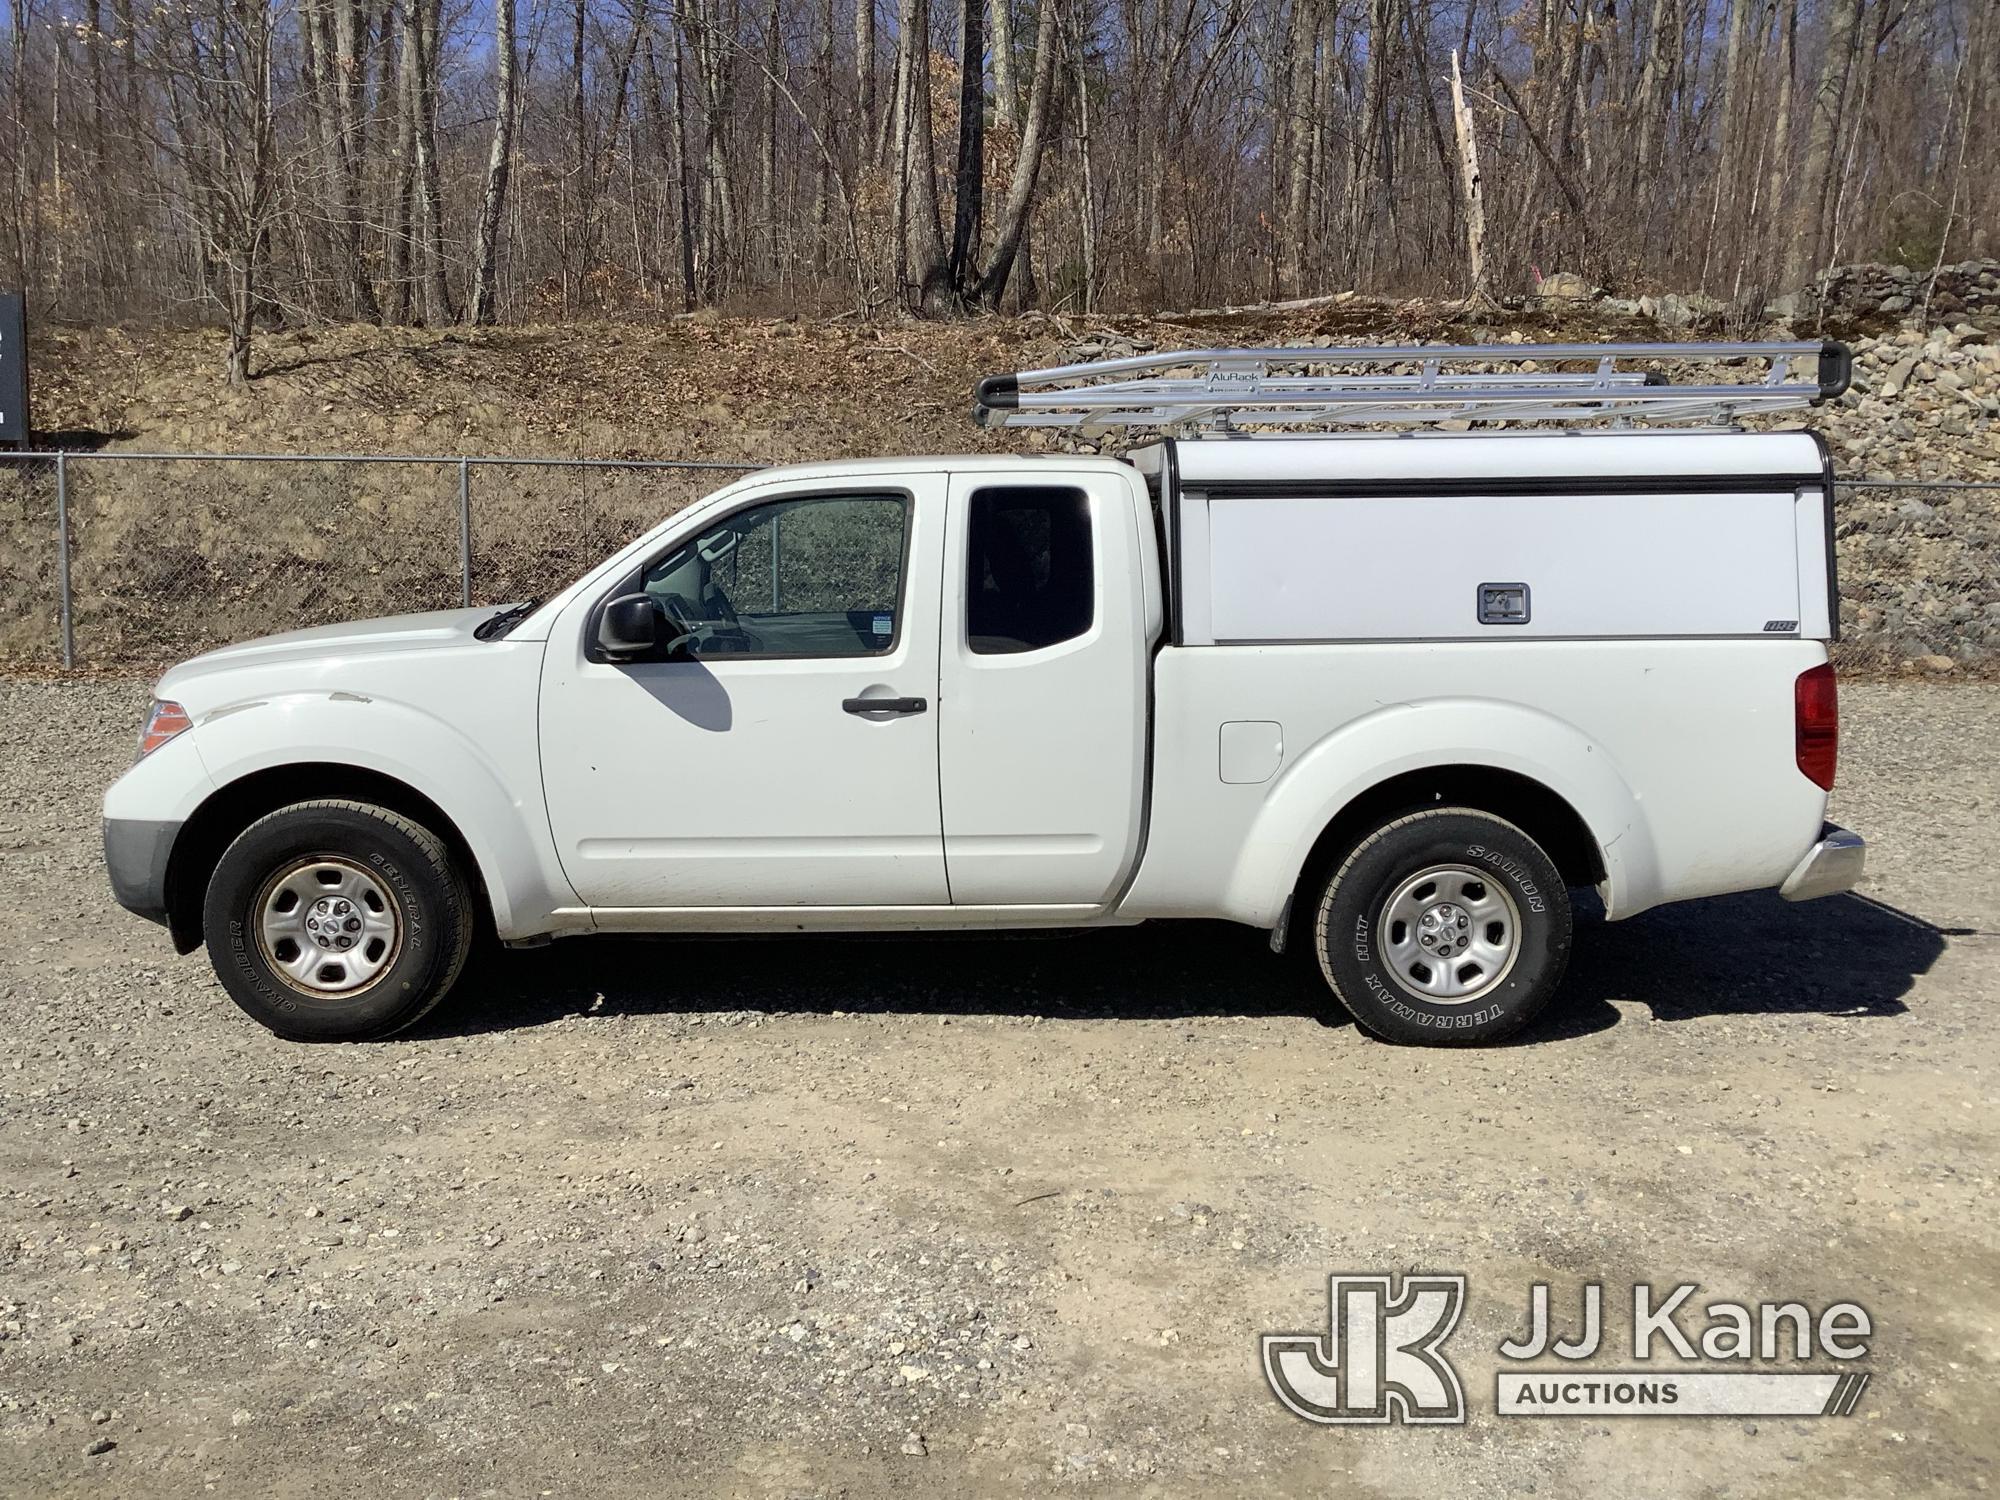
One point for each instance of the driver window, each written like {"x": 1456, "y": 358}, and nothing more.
{"x": 818, "y": 576}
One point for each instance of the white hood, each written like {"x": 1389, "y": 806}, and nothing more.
{"x": 331, "y": 644}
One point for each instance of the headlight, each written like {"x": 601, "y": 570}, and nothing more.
{"x": 164, "y": 720}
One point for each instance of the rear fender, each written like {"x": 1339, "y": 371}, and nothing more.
{"x": 1404, "y": 737}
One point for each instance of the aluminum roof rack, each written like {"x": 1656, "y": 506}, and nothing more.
{"x": 1222, "y": 389}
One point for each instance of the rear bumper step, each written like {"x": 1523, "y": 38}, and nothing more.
{"x": 1831, "y": 866}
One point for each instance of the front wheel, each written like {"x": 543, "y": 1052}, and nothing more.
{"x": 1448, "y": 927}
{"x": 337, "y": 921}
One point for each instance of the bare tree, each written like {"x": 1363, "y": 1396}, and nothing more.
{"x": 1843, "y": 36}
{"x": 214, "y": 70}
{"x": 923, "y": 266}
{"x": 1013, "y": 228}
{"x": 499, "y": 163}
{"x": 1301, "y": 132}
{"x": 684, "y": 179}
{"x": 419, "y": 162}
{"x": 1472, "y": 187}
{"x": 330, "y": 34}
{"x": 767, "y": 145}
{"x": 1086, "y": 190}
{"x": 708, "y": 35}
{"x": 18, "y": 142}
{"x": 401, "y": 305}
{"x": 423, "y": 28}
{"x": 864, "y": 69}
{"x": 969, "y": 181}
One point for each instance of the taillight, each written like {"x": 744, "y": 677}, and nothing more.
{"x": 1816, "y": 717}
{"x": 163, "y": 722}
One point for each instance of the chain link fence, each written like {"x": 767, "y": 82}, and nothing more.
{"x": 1919, "y": 565}
{"x": 137, "y": 560}
{"x": 117, "y": 559}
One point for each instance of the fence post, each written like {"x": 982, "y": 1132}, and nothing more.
{"x": 465, "y": 533}
{"x": 62, "y": 560}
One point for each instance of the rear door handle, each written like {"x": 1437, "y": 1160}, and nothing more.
{"x": 883, "y": 705}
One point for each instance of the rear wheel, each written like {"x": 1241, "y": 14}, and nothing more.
{"x": 337, "y": 921}
{"x": 1446, "y": 927}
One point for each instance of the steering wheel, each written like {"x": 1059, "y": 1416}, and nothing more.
{"x": 725, "y": 611}
{"x": 680, "y": 614}
{"x": 690, "y": 627}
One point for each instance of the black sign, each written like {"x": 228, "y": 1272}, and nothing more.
{"x": 13, "y": 368}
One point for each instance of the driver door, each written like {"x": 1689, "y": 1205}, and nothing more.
{"x": 746, "y": 767}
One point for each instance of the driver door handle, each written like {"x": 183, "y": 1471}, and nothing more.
{"x": 883, "y": 705}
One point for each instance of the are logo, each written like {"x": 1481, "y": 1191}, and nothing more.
{"x": 1380, "y": 1360}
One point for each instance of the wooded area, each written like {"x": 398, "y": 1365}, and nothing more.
{"x": 437, "y": 161}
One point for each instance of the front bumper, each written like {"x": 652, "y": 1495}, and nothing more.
{"x": 1831, "y": 866}
{"x": 136, "y": 851}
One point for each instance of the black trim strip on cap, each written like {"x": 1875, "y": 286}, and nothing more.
{"x": 1832, "y": 563}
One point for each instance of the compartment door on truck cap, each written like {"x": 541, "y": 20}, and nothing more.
{"x": 1043, "y": 664}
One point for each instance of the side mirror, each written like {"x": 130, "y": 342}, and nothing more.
{"x": 629, "y": 626}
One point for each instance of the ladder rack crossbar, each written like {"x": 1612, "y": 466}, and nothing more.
{"x": 1366, "y": 414}
{"x": 1635, "y": 393}
{"x": 1241, "y": 387}
{"x": 1308, "y": 385}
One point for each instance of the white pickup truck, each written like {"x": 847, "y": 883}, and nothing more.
{"x": 1388, "y": 696}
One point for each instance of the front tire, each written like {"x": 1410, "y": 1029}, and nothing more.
{"x": 337, "y": 921}
{"x": 1448, "y": 927}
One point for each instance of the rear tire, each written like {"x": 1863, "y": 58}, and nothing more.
{"x": 1448, "y": 927}
{"x": 337, "y": 921}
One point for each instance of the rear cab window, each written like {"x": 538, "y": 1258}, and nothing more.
{"x": 1030, "y": 580}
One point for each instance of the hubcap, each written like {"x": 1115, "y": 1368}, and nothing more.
{"x": 327, "y": 926}
{"x": 1450, "y": 934}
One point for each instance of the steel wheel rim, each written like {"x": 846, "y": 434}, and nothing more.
{"x": 327, "y": 927}
{"x": 1450, "y": 934}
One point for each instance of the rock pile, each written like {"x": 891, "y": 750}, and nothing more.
{"x": 1922, "y": 406}
{"x": 1967, "y": 288}
{"x": 1845, "y": 297}
{"x": 1920, "y": 568}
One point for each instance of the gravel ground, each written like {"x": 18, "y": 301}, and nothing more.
{"x": 812, "y": 1217}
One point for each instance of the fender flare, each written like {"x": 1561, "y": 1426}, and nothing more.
{"x": 1402, "y": 737}
{"x": 509, "y": 839}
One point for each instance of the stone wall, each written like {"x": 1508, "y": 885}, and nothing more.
{"x": 1920, "y": 569}
{"x": 1967, "y": 289}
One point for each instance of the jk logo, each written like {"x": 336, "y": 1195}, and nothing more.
{"x": 1380, "y": 1361}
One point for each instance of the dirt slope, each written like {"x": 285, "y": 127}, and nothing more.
{"x": 172, "y": 558}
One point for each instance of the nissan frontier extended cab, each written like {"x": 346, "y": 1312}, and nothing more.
{"x": 1390, "y": 696}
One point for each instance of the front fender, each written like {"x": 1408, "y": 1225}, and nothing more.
{"x": 492, "y": 795}
{"x": 1403, "y": 737}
